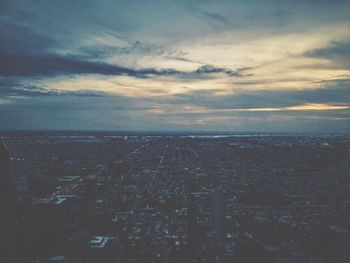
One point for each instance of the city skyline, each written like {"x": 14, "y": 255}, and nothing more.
{"x": 232, "y": 66}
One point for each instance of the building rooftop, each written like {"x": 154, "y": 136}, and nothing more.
{"x": 68, "y": 178}
{"x": 40, "y": 201}
{"x": 98, "y": 241}
{"x": 59, "y": 199}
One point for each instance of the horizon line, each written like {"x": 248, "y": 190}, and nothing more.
{"x": 165, "y": 132}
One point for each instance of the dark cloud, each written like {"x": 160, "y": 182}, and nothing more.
{"x": 34, "y": 91}
{"x": 337, "y": 51}
{"x": 216, "y": 17}
{"x": 211, "y": 69}
{"x": 337, "y": 92}
{"x": 130, "y": 47}
{"x": 52, "y": 64}
{"x": 29, "y": 65}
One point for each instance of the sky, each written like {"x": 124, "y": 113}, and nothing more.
{"x": 186, "y": 65}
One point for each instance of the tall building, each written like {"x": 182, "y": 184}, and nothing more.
{"x": 7, "y": 206}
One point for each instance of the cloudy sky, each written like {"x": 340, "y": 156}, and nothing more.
{"x": 175, "y": 65}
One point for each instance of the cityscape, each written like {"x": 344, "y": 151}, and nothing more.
{"x": 174, "y": 131}
{"x": 107, "y": 198}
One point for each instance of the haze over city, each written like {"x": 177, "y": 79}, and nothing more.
{"x": 268, "y": 66}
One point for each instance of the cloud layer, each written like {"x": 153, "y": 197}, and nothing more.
{"x": 183, "y": 65}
